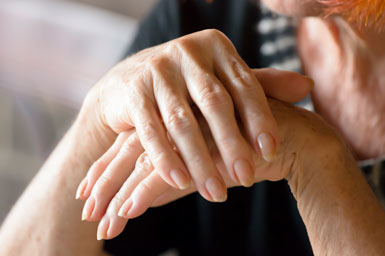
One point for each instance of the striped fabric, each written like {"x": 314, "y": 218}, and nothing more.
{"x": 277, "y": 46}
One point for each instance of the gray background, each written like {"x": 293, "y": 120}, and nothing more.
{"x": 51, "y": 53}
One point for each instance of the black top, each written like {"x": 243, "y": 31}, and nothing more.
{"x": 262, "y": 220}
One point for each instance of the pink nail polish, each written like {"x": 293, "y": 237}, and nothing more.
{"x": 124, "y": 210}
{"x": 88, "y": 208}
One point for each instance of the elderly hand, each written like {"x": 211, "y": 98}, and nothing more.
{"x": 153, "y": 91}
{"x": 117, "y": 165}
{"x": 107, "y": 175}
{"x": 305, "y": 142}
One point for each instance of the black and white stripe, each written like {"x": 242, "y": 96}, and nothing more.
{"x": 277, "y": 40}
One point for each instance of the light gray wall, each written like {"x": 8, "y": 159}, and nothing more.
{"x": 134, "y": 8}
{"x": 65, "y": 38}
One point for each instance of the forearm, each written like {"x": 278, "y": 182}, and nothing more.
{"x": 46, "y": 219}
{"x": 341, "y": 213}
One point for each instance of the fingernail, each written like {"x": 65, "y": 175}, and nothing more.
{"x": 123, "y": 212}
{"x": 216, "y": 189}
{"x": 103, "y": 228}
{"x": 244, "y": 172}
{"x": 81, "y": 188}
{"x": 312, "y": 83}
{"x": 267, "y": 146}
{"x": 88, "y": 208}
{"x": 180, "y": 179}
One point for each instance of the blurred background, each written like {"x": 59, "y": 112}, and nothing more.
{"x": 51, "y": 53}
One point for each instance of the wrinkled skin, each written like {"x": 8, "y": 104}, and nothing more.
{"x": 306, "y": 141}
{"x": 346, "y": 63}
{"x": 348, "y": 69}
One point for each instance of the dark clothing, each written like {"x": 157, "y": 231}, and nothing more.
{"x": 263, "y": 220}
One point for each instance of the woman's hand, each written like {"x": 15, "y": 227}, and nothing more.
{"x": 153, "y": 91}
{"x": 116, "y": 162}
{"x": 305, "y": 141}
{"x": 108, "y": 174}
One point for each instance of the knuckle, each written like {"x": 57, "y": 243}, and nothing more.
{"x": 213, "y": 97}
{"x": 148, "y": 131}
{"x": 125, "y": 148}
{"x": 143, "y": 162}
{"x": 220, "y": 37}
{"x": 159, "y": 63}
{"x": 131, "y": 142}
{"x": 174, "y": 46}
{"x": 178, "y": 120}
{"x": 245, "y": 82}
{"x": 214, "y": 33}
{"x": 141, "y": 105}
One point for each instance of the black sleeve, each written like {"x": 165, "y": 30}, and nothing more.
{"x": 161, "y": 25}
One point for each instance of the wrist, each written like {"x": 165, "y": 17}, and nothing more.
{"x": 320, "y": 160}
{"x": 340, "y": 211}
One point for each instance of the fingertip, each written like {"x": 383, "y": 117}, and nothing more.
{"x": 244, "y": 172}
{"x": 103, "y": 228}
{"x": 82, "y": 187}
{"x": 217, "y": 191}
{"x": 181, "y": 180}
{"x": 267, "y": 146}
{"x": 116, "y": 227}
{"x": 125, "y": 209}
{"x": 88, "y": 208}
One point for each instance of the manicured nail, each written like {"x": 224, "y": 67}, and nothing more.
{"x": 311, "y": 81}
{"x": 124, "y": 210}
{"x": 267, "y": 146}
{"x": 88, "y": 208}
{"x": 103, "y": 228}
{"x": 180, "y": 179}
{"x": 216, "y": 189}
{"x": 82, "y": 187}
{"x": 244, "y": 172}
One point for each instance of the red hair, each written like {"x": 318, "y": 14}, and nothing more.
{"x": 366, "y": 13}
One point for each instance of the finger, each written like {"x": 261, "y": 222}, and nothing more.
{"x": 217, "y": 107}
{"x": 143, "y": 196}
{"x": 185, "y": 132}
{"x": 283, "y": 85}
{"x": 251, "y": 104}
{"x": 112, "y": 178}
{"x": 154, "y": 139}
{"x": 98, "y": 167}
{"x": 111, "y": 224}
